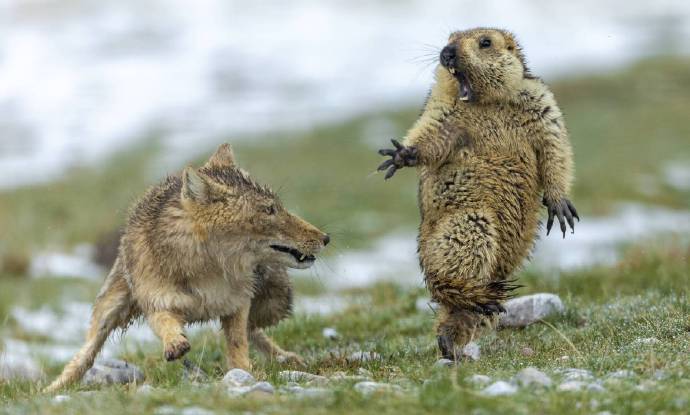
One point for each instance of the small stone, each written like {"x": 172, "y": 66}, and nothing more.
{"x": 471, "y": 351}
{"x": 499, "y": 388}
{"x": 297, "y": 376}
{"x": 620, "y": 374}
{"x": 369, "y": 388}
{"x": 563, "y": 359}
{"x": 527, "y": 352}
{"x": 572, "y": 386}
{"x": 532, "y": 376}
{"x": 577, "y": 374}
{"x": 112, "y": 371}
{"x": 61, "y": 398}
{"x": 444, "y": 363}
{"x": 308, "y": 393}
{"x": 256, "y": 390}
{"x": 363, "y": 356}
{"x": 330, "y": 333}
{"x": 526, "y": 310}
{"x": 195, "y": 410}
{"x": 238, "y": 377}
{"x": 479, "y": 379}
{"x": 263, "y": 387}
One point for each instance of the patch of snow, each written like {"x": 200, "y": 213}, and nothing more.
{"x": 94, "y": 77}
{"x": 77, "y": 264}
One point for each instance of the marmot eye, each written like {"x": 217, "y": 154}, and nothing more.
{"x": 484, "y": 43}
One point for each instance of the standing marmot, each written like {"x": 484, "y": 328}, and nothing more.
{"x": 490, "y": 145}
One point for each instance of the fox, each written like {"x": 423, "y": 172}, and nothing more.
{"x": 204, "y": 244}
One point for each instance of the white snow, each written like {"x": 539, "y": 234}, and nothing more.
{"x": 83, "y": 79}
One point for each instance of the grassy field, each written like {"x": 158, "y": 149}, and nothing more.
{"x": 626, "y": 127}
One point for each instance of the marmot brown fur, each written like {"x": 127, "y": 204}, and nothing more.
{"x": 490, "y": 147}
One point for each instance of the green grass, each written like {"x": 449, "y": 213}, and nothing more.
{"x": 625, "y": 127}
{"x": 607, "y": 309}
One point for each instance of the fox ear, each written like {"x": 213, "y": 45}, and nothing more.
{"x": 223, "y": 157}
{"x": 194, "y": 186}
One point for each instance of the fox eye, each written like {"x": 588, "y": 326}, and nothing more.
{"x": 484, "y": 43}
{"x": 271, "y": 210}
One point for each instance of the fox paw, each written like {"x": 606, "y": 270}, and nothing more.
{"x": 291, "y": 358}
{"x": 176, "y": 348}
{"x": 564, "y": 210}
{"x": 400, "y": 157}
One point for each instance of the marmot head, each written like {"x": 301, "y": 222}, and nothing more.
{"x": 236, "y": 214}
{"x": 487, "y": 64}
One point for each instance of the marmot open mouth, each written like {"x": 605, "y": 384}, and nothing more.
{"x": 299, "y": 256}
{"x": 465, "y": 90}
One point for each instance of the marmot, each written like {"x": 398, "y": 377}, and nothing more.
{"x": 490, "y": 145}
{"x": 209, "y": 243}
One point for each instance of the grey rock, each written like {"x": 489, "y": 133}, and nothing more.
{"x": 369, "y": 388}
{"x": 330, "y": 333}
{"x": 576, "y": 374}
{"x": 620, "y": 374}
{"x": 595, "y": 387}
{"x": 572, "y": 386}
{"x": 479, "y": 379}
{"x": 499, "y": 388}
{"x": 238, "y": 377}
{"x": 471, "y": 351}
{"x": 523, "y": 311}
{"x": 297, "y": 376}
{"x": 61, "y": 398}
{"x": 112, "y": 371}
{"x": 308, "y": 393}
{"x": 444, "y": 363}
{"x": 344, "y": 377}
{"x": 361, "y": 356}
{"x": 258, "y": 389}
{"x": 531, "y": 376}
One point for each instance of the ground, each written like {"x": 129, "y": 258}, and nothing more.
{"x": 627, "y": 128}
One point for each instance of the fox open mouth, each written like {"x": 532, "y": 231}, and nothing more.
{"x": 299, "y": 256}
{"x": 465, "y": 90}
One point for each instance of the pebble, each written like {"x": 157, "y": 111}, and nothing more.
{"x": 257, "y": 390}
{"x": 526, "y": 310}
{"x": 471, "y": 351}
{"x": 309, "y": 393}
{"x": 532, "y": 376}
{"x": 297, "y": 376}
{"x": 576, "y": 374}
{"x": 363, "y": 356}
{"x": 61, "y": 398}
{"x": 330, "y": 333}
{"x": 369, "y": 388}
{"x": 444, "y": 363}
{"x": 112, "y": 371}
{"x": 499, "y": 388}
{"x": 238, "y": 377}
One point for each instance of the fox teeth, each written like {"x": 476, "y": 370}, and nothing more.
{"x": 452, "y": 71}
{"x": 302, "y": 257}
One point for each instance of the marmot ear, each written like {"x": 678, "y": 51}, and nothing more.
{"x": 195, "y": 186}
{"x": 223, "y": 157}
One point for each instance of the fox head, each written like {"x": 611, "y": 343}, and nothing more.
{"x": 234, "y": 213}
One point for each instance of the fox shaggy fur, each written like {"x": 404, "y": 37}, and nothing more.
{"x": 490, "y": 147}
{"x": 209, "y": 243}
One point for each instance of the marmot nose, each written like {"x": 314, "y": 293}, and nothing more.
{"x": 448, "y": 55}
{"x": 326, "y": 239}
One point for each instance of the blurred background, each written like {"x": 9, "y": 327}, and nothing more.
{"x": 100, "y": 99}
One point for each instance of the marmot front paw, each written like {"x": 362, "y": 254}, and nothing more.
{"x": 564, "y": 210}
{"x": 400, "y": 157}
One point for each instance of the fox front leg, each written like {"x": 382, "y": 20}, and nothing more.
{"x": 401, "y": 156}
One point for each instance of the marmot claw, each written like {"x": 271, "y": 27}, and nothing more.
{"x": 564, "y": 210}
{"x": 400, "y": 157}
